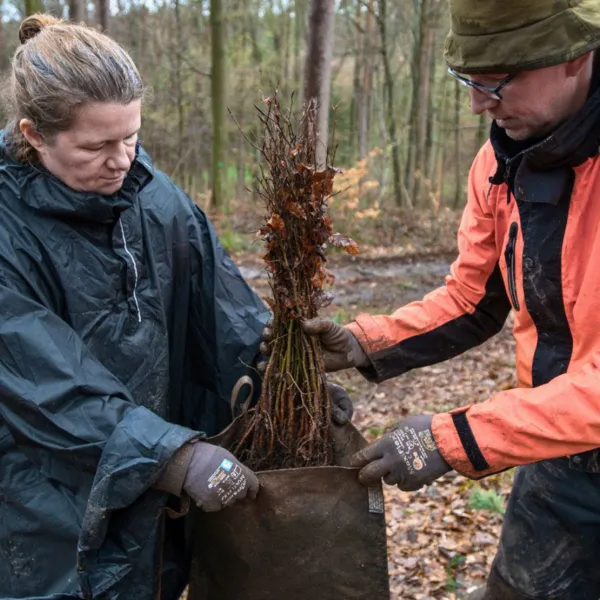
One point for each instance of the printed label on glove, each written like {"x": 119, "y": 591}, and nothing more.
{"x": 376, "y": 501}
{"x": 413, "y": 447}
{"x": 228, "y": 481}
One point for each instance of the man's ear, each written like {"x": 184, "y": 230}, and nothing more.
{"x": 577, "y": 65}
{"x": 31, "y": 135}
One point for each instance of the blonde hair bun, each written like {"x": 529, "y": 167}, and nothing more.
{"x": 66, "y": 66}
{"x": 32, "y": 25}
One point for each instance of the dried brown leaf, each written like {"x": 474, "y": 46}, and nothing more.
{"x": 342, "y": 241}
{"x": 329, "y": 277}
{"x": 322, "y": 182}
{"x": 294, "y": 209}
{"x": 269, "y": 302}
{"x": 318, "y": 279}
{"x": 276, "y": 223}
{"x": 303, "y": 167}
{"x": 322, "y": 299}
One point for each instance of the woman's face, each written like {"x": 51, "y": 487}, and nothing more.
{"x": 96, "y": 153}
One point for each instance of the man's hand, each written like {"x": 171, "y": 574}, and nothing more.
{"x": 215, "y": 478}
{"x": 407, "y": 457}
{"x": 341, "y": 350}
{"x": 342, "y": 408}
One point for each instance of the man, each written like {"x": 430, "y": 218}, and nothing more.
{"x": 528, "y": 240}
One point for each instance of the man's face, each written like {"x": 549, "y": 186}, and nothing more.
{"x": 96, "y": 153}
{"x": 534, "y": 103}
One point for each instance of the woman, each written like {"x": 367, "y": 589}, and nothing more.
{"x": 124, "y": 327}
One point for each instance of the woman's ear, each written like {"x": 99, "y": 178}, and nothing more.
{"x": 31, "y": 135}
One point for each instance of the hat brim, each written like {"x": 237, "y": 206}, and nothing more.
{"x": 557, "y": 39}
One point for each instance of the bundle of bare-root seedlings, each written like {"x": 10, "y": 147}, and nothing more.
{"x": 290, "y": 424}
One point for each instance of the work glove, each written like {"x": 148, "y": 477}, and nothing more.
{"x": 215, "y": 478}
{"x": 342, "y": 408}
{"x": 407, "y": 457}
{"x": 341, "y": 350}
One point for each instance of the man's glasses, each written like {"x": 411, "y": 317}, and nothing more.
{"x": 488, "y": 90}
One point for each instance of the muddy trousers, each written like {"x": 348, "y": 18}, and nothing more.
{"x": 550, "y": 543}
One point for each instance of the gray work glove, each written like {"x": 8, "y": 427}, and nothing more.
{"x": 341, "y": 350}
{"x": 407, "y": 457}
{"x": 215, "y": 478}
{"x": 342, "y": 408}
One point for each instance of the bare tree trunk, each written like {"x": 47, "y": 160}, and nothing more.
{"x": 274, "y": 15}
{"x": 356, "y": 100}
{"x": 423, "y": 114}
{"x": 317, "y": 78}
{"x": 3, "y": 60}
{"x": 439, "y": 185}
{"x": 218, "y": 101}
{"x": 3, "y": 55}
{"x": 438, "y": 118}
{"x": 389, "y": 96}
{"x": 76, "y": 11}
{"x": 33, "y": 6}
{"x": 299, "y": 27}
{"x": 430, "y": 101}
{"x": 241, "y": 167}
{"x": 364, "y": 107}
{"x": 287, "y": 45}
{"x": 178, "y": 52}
{"x": 142, "y": 33}
{"x": 457, "y": 174}
{"x": 252, "y": 30}
{"x": 415, "y": 68}
{"x": 482, "y": 132}
{"x": 103, "y": 14}
{"x": 241, "y": 87}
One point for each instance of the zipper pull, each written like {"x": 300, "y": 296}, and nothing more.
{"x": 507, "y": 181}
{"x": 510, "y": 258}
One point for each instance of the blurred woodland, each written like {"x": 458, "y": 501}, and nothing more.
{"x": 404, "y": 133}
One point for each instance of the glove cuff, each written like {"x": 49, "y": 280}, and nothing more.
{"x": 173, "y": 476}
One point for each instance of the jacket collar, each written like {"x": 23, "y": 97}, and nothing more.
{"x": 542, "y": 170}
{"x": 44, "y": 192}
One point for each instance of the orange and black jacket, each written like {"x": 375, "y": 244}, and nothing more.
{"x": 529, "y": 240}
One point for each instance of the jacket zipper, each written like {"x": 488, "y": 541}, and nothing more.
{"x": 135, "y": 272}
{"x": 508, "y": 166}
{"x": 509, "y": 256}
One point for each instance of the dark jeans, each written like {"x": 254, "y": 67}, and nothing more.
{"x": 550, "y": 543}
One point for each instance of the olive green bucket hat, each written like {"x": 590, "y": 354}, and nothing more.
{"x": 507, "y": 36}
